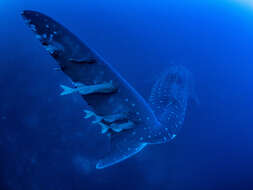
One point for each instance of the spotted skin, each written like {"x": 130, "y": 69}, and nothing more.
{"x": 169, "y": 98}
{"x": 83, "y": 65}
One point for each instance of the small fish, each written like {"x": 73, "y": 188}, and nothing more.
{"x": 88, "y": 89}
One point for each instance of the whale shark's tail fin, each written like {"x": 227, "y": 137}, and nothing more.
{"x": 170, "y": 95}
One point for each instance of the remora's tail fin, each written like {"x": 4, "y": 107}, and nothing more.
{"x": 66, "y": 90}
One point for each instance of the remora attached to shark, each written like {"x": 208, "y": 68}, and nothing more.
{"x": 121, "y": 112}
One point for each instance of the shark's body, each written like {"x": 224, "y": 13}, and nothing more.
{"x": 116, "y": 106}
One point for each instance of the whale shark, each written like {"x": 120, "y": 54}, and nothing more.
{"x": 123, "y": 114}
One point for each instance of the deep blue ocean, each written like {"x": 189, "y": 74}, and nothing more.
{"x": 45, "y": 144}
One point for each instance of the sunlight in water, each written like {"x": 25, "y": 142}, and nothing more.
{"x": 246, "y": 2}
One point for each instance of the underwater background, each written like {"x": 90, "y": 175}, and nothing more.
{"x": 45, "y": 144}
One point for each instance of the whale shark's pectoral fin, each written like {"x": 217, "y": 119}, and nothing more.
{"x": 121, "y": 148}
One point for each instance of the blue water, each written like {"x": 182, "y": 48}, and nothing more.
{"x": 45, "y": 143}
